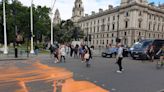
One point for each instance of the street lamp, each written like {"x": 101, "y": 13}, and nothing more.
{"x": 32, "y": 40}
{"x": 4, "y": 25}
{"x": 15, "y": 41}
{"x": 52, "y": 22}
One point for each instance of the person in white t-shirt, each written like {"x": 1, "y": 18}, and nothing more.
{"x": 63, "y": 53}
{"x": 119, "y": 57}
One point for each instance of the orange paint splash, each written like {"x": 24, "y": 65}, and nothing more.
{"x": 13, "y": 75}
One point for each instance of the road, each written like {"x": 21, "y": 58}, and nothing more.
{"x": 138, "y": 76}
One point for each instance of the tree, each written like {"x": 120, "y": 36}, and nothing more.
{"x": 19, "y": 15}
{"x": 66, "y": 31}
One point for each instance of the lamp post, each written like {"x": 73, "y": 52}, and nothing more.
{"x": 15, "y": 47}
{"x": 52, "y": 34}
{"x": 4, "y": 25}
{"x": 32, "y": 40}
{"x": 52, "y": 28}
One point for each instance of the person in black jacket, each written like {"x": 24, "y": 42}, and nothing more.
{"x": 88, "y": 51}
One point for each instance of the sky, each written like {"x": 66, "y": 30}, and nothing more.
{"x": 65, "y": 6}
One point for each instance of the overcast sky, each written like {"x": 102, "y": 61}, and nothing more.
{"x": 65, "y": 6}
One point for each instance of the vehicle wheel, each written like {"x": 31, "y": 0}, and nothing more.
{"x": 134, "y": 58}
{"x": 103, "y": 55}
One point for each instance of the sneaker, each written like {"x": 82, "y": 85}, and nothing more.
{"x": 119, "y": 71}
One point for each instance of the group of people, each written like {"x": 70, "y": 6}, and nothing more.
{"x": 59, "y": 52}
{"x": 83, "y": 52}
{"x": 151, "y": 53}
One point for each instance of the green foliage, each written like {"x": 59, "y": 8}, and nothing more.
{"x": 18, "y": 17}
{"x": 66, "y": 31}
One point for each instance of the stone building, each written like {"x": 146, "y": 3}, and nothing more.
{"x": 78, "y": 11}
{"x": 132, "y": 21}
{"x": 57, "y": 18}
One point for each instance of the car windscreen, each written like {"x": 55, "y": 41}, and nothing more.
{"x": 143, "y": 44}
{"x": 146, "y": 44}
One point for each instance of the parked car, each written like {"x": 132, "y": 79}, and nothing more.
{"x": 140, "y": 49}
{"x": 109, "y": 52}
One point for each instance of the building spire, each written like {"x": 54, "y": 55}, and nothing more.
{"x": 57, "y": 18}
{"x": 78, "y": 10}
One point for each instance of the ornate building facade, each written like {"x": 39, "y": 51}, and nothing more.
{"x": 57, "y": 18}
{"x": 132, "y": 21}
{"x": 78, "y": 11}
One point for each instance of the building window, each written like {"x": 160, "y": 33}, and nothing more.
{"x": 127, "y": 14}
{"x": 107, "y": 35}
{"x": 113, "y": 26}
{"x": 113, "y": 17}
{"x": 112, "y": 41}
{"x": 107, "y": 41}
{"x": 139, "y": 24}
{"x": 98, "y": 29}
{"x": 149, "y": 26}
{"x": 126, "y": 24}
{"x": 154, "y": 27}
{"x": 103, "y": 20}
{"x": 98, "y": 21}
{"x": 150, "y": 16}
{"x": 97, "y": 42}
{"x": 139, "y": 33}
{"x": 158, "y": 26}
{"x": 140, "y": 13}
{"x": 108, "y": 27}
{"x": 125, "y": 33}
{"x": 149, "y": 35}
{"x": 103, "y": 27}
{"x": 112, "y": 35}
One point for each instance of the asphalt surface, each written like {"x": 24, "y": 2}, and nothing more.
{"x": 139, "y": 76}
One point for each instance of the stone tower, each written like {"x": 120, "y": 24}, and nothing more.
{"x": 57, "y": 18}
{"x": 126, "y": 2}
{"x": 78, "y": 10}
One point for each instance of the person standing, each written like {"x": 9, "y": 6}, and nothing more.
{"x": 72, "y": 50}
{"x": 88, "y": 56}
{"x": 151, "y": 53}
{"x": 63, "y": 53}
{"x": 119, "y": 58}
{"x": 161, "y": 54}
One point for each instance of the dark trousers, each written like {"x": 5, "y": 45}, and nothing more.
{"x": 119, "y": 62}
{"x": 62, "y": 57}
{"x": 87, "y": 62}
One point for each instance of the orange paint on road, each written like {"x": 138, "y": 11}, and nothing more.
{"x": 34, "y": 72}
